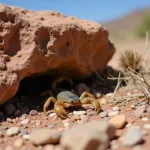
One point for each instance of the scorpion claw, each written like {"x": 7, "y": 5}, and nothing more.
{"x": 60, "y": 111}
{"x": 96, "y": 106}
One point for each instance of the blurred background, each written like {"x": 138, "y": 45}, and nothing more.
{"x": 127, "y": 21}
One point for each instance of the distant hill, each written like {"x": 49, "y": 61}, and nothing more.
{"x": 125, "y": 26}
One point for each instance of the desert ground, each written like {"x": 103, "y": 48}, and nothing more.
{"x": 122, "y": 125}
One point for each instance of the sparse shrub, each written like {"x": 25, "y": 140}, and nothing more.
{"x": 143, "y": 27}
{"x": 130, "y": 60}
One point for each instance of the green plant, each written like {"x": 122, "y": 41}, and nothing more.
{"x": 143, "y": 27}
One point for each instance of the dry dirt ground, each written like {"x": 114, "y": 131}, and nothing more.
{"x": 23, "y": 111}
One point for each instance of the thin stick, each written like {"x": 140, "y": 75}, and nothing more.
{"x": 146, "y": 49}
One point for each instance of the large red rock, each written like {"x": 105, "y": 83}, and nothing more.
{"x": 37, "y": 42}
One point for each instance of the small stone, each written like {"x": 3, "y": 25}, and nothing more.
{"x": 110, "y": 95}
{"x": 12, "y": 131}
{"x": 9, "y": 109}
{"x": 9, "y": 120}
{"x": 132, "y": 106}
{"x": 18, "y": 143}
{"x": 118, "y": 121}
{"x": 25, "y": 122}
{"x": 103, "y": 114}
{"x": 26, "y": 137}
{"x": 33, "y": 112}
{"x": 113, "y": 113}
{"x": 45, "y": 136}
{"x": 128, "y": 125}
{"x": 116, "y": 108}
{"x": 146, "y": 126}
{"x": 23, "y": 131}
{"x": 139, "y": 111}
{"x": 103, "y": 101}
{"x": 3, "y": 128}
{"x": 52, "y": 115}
{"x": 144, "y": 119}
{"x": 67, "y": 125}
{"x": 98, "y": 95}
{"x": 79, "y": 112}
{"x": 132, "y": 137}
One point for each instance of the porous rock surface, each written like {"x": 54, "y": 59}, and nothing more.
{"x": 47, "y": 41}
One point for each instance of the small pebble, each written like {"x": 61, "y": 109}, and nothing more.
{"x": 25, "y": 122}
{"x": 33, "y": 112}
{"x": 128, "y": 125}
{"x": 103, "y": 101}
{"x": 23, "y": 131}
{"x": 132, "y": 106}
{"x": 116, "y": 108}
{"x": 139, "y": 111}
{"x": 103, "y": 114}
{"x": 18, "y": 143}
{"x": 110, "y": 95}
{"x": 12, "y": 131}
{"x": 52, "y": 115}
{"x": 67, "y": 125}
{"x": 146, "y": 126}
{"x": 3, "y": 128}
{"x": 26, "y": 136}
{"x": 118, "y": 121}
{"x": 98, "y": 95}
{"x": 113, "y": 113}
{"x": 144, "y": 119}
{"x": 79, "y": 112}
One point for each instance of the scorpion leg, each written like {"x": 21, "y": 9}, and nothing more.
{"x": 59, "y": 109}
{"x": 86, "y": 94}
{"x": 47, "y": 103}
{"x": 90, "y": 99}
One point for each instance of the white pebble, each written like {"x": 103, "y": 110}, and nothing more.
{"x": 144, "y": 119}
{"x": 146, "y": 126}
{"x": 79, "y": 112}
{"x": 67, "y": 125}
{"x": 52, "y": 115}
{"x": 110, "y": 95}
{"x": 26, "y": 137}
{"x": 24, "y": 122}
{"x": 33, "y": 112}
{"x": 113, "y": 113}
{"x": 12, "y": 131}
{"x": 116, "y": 108}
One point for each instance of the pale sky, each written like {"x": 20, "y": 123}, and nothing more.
{"x": 96, "y": 10}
